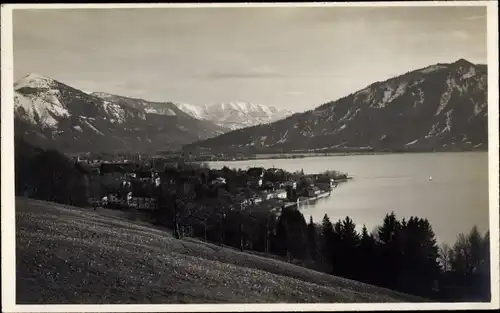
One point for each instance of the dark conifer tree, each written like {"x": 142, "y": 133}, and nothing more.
{"x": 280, "y": 239}
{"x": 348, "y": 248}
{"x": 336, "y": 246}
{"x": 418, "y": 250}
{"x": 312, "y": 239}
{"x": 475, "y": 242}
{"x": 389, "y": 251}
{"x": 326, "y": 240}
{"x": 367, "y": 257}
{"x": 293, "y": 233}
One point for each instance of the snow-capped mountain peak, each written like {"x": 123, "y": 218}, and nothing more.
{"x": 37, "y": 100}
{"x": 235, "y": 114}
{"x": 196, "y": 111}
{"x": 34, "y": 80}
{"x": 246, "y": 107}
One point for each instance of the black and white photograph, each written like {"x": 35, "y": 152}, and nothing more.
{"x": 315, "y": 156}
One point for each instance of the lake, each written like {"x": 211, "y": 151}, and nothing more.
{"x": 453, "y": 201}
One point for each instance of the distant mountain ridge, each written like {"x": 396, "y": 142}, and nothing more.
{"x": 237, "y": 114}
{"x": 231, "y": 115}
{"x": 441, "y": 107}
{"x": 49, "y": 113}
{"x": 161, "y": 108}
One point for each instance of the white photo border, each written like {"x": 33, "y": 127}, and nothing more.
{"x": 7, "y": 157}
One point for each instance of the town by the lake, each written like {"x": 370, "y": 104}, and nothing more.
{"x": 140, "y": 184}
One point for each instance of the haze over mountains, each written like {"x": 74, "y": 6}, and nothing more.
{"x": 442, "y": 107}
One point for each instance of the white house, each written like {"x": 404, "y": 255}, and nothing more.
{"x": 218, "y": 181}
{"x": 280, "y": 194}
{"x": 256, "y": 200}
{"x": 221, "y": 179}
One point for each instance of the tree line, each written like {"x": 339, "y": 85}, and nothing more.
{"x": 48, "y": 175}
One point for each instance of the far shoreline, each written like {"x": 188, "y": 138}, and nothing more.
{"x": 286, "y": 156}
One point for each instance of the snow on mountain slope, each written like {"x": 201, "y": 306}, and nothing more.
{"x": 103, "y": 95}
{"x": 235, "y": 115}
{"x": 151, "y": 107}
{"x": 427, "y": 109}
{"x": 40, "y": 110}
{"x": 37, "y": 101}
{"x": 231, "y": 115}
{"x": 34, "y": 80}
{"x": 198, "y": 112}
{"x": 47, "y": 102}
{"x": 49, "y": 113}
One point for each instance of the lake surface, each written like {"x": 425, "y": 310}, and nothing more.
{"x": 453, "y": 201}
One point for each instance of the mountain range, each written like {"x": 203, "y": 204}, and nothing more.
{"x": 442, "y": 107}
{"x": 231, "y": 115}
{"x": 51, "y": 114}
{"x": 236, "y": 115}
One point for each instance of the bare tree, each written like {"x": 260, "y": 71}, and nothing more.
{"x": 445, "y": 254}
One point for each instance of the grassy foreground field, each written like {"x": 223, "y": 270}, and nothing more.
{"x": 77, "y": 256}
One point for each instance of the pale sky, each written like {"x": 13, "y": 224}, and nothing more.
{"x": 294, "y": 58}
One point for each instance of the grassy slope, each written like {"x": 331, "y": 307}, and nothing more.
{"x": 71, "y": 255}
